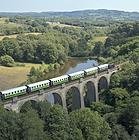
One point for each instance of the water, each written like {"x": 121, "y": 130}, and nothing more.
{"x": 82, "y": 66}
{"x": 71, "y": 66}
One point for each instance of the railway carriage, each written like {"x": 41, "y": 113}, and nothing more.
{"x": 59, "y": 80}
{"x": 111, "y": 66}
{"x": 102, "y": 68}
{"x": 76, "y": 75}
{"x": 38, "y": 86}
{"x": 13, "y": 92}
{"x": 91, "y": 71}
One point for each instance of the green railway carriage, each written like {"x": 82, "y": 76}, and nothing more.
{"x": 59, "y": 80}
{"x": 76, "y": 75}
{"x": 103, "y": 67}
{"x": 13, "y": 92}
{"x": 39, "y": 85}
{"x": 91, "y": 71}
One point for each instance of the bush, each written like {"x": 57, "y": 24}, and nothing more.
{"x": 7, "y": 60}
{"x": 56, "y": 65}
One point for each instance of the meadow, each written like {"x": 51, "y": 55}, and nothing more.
{"x": 14, "y": 76}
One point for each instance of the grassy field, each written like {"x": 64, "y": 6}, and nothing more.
{"x": 61, "y": 25}
{"x": 95, "y": 39}
{"x": 2, "y": 20}
{"x": 7, "y": 24}
{"x": 14, "y": 36}
{"x": 99, "y": 38}
{"x": 14, "y": 76}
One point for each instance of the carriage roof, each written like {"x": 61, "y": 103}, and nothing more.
{"x": 91, "y": 69}
{"x": 76, "y": 73}
{"x": 102, "y": 66}
{"x": 60, "y": 77}
{"x": 39, "y": 83}
{"x": 13, "y": 89}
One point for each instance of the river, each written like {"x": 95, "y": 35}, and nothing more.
{"x": 71, "y": 66}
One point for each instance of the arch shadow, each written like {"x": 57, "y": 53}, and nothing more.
{"x": 57, "y": 99}
{"x": 102, "y": 83}
{"x": 89, "y": 93}
{"x": 73, "y": 99}
{"x": 111, "y": 79}
{"x": 26, "y": 106}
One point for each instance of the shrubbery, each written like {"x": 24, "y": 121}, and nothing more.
{"x": 7, "y": 60}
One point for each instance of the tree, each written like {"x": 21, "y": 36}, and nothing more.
{"x": 32, "y": 127}
{"x": 92, "y": 125}
{"x": 57, "y": 123}
{"x": 98, "y": 49}
{"x": 7, "y": 60}
{"x": 9, "y": 126}
{"x": 114, "y": 96}
{"x": 101, "y": 108}
{"x": 9, "y": 46}
{"x": 119, "y": 133}
{"x": 130, "y": 115}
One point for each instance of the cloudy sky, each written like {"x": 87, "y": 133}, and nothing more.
{"x": 66, "y": 5}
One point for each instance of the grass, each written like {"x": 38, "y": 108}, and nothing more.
{"x": 14, "y": 36}
{"x": 99, "y": 38}
{"x": 2, "y": 20}
{"x": 9, "y": 36}
{"x": 95, "y": 39}
{"x": 14, "y": 76}
{"x": 61, "y": 25}
{"x": 9, "y": 24}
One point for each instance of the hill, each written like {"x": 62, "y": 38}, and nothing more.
{"x": 100, "y": 14}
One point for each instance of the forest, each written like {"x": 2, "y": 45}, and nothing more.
{"x": 114, "y": 117}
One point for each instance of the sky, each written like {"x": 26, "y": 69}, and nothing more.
{"x": 66, "y": 5}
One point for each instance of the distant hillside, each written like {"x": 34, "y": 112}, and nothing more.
{"x": 100, "y": 14}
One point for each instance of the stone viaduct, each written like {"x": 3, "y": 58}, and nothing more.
{"x": 83, "y": 92}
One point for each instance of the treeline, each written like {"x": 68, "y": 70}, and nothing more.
{"x": 19, "y": 25}
{"x": 41, "y": 121}
{"x": 122, "y": 44}
{"x": 51, "y": 47}
{"x": 119, "y": 105}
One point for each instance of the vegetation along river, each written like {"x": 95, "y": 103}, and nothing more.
{"x": 71, "y": 66}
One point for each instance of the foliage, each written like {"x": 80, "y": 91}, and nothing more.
{"x": 32, "y": 128}
{"x": 7, "y": 60}
{"x": 91, "y": 124}
{"x": 101, "y": 108}
{"x": 114, "y": 96}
